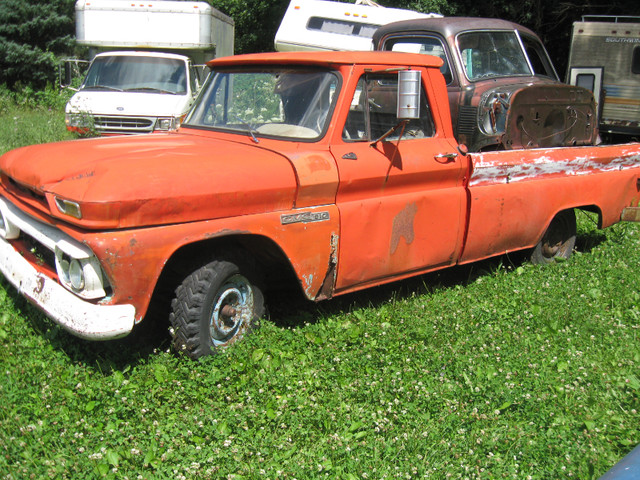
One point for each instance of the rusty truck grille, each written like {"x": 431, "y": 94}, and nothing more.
{"x": 467, "y": 120}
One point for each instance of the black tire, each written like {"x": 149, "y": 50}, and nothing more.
{"x": 215, "y": 306}
{"x": 558, "y": 241}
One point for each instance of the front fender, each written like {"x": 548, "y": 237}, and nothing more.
{"x": 134, "y": 259}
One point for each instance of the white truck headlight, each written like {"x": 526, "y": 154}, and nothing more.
{"x": 76, "y": 274}
{"x": 166, "y": 124}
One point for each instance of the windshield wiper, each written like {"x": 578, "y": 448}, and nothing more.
{"x": 249, "y": 129}
{"x": 150, "y": 89}
{"x": 103, "y": 87}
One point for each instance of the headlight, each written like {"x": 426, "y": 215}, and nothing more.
{"x": 79, "y": 120}
{"x": 166, "y": 124}
{"x": 493, "y": 112}
{"x": 76, "y": 274}
{"x": 83, "y": 276}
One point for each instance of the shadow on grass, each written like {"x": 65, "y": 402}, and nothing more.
{"x": 107, "y": 356}
{"x": 290, "y": 309}
{"x": 587, "y": 241}
{"x": 287, "y": 308}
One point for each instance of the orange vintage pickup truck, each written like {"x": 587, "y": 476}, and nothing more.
{"x": 336, "y": 170}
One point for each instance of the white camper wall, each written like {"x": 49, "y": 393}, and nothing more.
{"x": 156, "y": 24}
{"x": 326, "y": 25}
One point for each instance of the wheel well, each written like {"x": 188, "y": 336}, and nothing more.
{"x": 272, "y": 265}
{"x": 592, "y": 209}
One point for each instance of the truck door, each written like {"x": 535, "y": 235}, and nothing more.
{"x": 402, "y": 200}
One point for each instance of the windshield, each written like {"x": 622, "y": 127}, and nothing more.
{"x": 426, "y": 45}
{"x": 135, "y": 73}
{"x": 492, "y": 54}
{"x": 281, "y": 102}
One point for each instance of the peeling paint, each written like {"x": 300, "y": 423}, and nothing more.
{"x": 308, "y": 283}
{"x": 329, "y": 283}
{"x": 490, "y": 169}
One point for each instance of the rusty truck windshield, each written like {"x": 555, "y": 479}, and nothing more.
{"x": 293, "y": 103}
{"x": 489, "y": 54}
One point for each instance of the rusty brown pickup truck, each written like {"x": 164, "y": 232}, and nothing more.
{"x": 336, "y": 171}
{"x": 504, "y": 92}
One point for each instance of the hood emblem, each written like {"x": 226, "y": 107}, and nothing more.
{"x": 120, "y": 109}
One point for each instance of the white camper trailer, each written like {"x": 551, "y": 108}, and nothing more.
{"x": 325, "y": 25}
{"x": 143, "y": 76}
{"x": 605, "y": 57}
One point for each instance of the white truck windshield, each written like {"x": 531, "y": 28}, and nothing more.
{"x": 137, "y": 73}
{"x": 278, "y": 102}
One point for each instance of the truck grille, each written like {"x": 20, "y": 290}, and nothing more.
{"x": 467, "y": 120}
{"x": 124, "y": 125}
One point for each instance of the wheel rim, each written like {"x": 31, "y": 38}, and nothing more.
{"x": 232, "y": 311}
{"x": 555, "y": 242}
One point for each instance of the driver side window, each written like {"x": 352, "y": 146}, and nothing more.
{"x": 373, "y": 112}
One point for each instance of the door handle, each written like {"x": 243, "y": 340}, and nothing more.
{"x": 446, "y": 157}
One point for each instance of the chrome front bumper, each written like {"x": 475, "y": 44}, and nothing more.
{"x": 82, "y": 318}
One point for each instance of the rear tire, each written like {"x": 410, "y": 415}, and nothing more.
{"x": 558, "y": 241}
{"x": 215, "y": 306}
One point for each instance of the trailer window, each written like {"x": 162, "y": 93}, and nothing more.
{"x": 635, "y": 61}
{"x": 373, "y": 111}
{"x": 330, "y": 25}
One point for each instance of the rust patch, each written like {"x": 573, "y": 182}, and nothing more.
{"x": 403, "y": 227}
{"x": 329, "y": 282}
{"x": 39, "y": 285}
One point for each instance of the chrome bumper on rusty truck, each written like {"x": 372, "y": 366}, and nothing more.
{"x": 75, "y": 306}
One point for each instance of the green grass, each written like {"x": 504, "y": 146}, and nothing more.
{"x": 26, "y": 121}
{"x": 501, "y": 369}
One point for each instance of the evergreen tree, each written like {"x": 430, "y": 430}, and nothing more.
{"x": 32, "y": 34}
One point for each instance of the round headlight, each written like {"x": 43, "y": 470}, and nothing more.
{"x": 76, "y": 275}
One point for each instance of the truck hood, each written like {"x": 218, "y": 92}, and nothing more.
{"x": 130, "y": 181}
{"x": 145, "y": 104}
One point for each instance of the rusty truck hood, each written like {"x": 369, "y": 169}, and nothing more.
{"x": 151, "y": 179}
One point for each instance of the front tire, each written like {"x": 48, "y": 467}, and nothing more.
{"x": 215, "y": 306}
{"x": 558, "y": 241}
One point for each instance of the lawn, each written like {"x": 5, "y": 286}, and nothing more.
{"x": 501, "y": 369}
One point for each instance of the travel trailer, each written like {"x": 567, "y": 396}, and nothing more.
{"x": 325, "y": 25}
{"x": 605, "y": 57}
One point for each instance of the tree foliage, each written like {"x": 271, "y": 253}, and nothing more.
{"x": 32, "y": 34}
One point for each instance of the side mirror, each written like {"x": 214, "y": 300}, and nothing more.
{"x": 65, "y": 74}
{"x": 409, "y": 82}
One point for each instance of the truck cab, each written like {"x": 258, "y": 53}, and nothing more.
{"x": 503, "y": 89}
